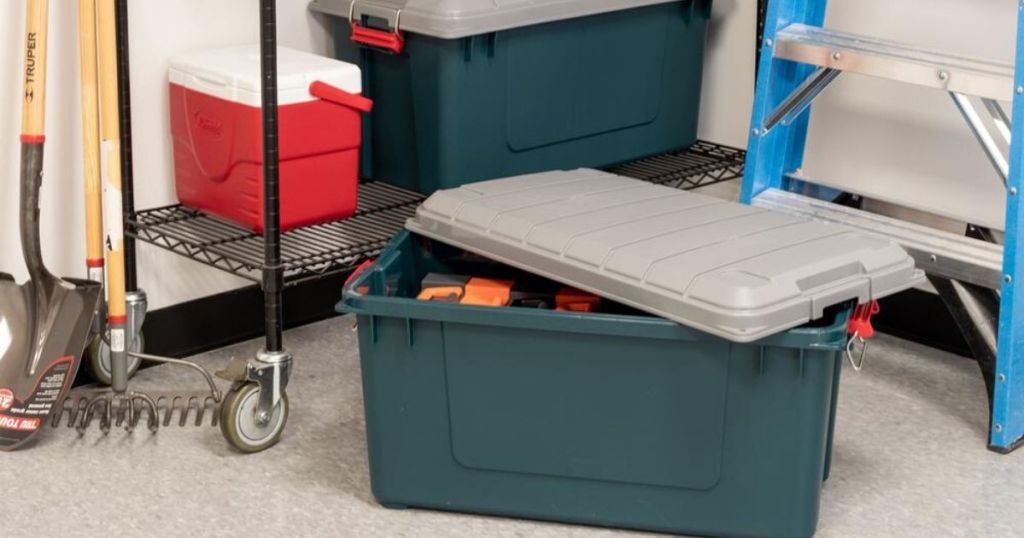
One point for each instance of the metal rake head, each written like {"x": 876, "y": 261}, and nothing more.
{"x": 83, "y": 408}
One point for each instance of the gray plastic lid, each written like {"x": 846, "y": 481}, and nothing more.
{"x": 453, "y": 19}
{"x": 735, "y": 271}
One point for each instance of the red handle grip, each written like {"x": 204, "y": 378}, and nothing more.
{"x": 381, "y": 39}
{"x": 339, "y": 96}
{"x": 358, "y": 271}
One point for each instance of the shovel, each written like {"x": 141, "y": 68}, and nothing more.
{"x": 44, "y": 323}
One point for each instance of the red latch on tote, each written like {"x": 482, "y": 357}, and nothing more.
{"x": 860, "y": 331}
{"x": 382, "y": 39}
{"x": 860, "y": 324}
{"x": 339, "y": 96}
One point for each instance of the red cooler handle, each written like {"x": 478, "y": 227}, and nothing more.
{"x": 339, "y": 96}
{"x": 381, "y": 39}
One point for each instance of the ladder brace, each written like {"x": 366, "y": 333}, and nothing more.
{"x": 793, "y": 105}
{"x": 981, "y": 132}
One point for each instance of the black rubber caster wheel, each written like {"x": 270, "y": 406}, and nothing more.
{"x": 238, "y": 420}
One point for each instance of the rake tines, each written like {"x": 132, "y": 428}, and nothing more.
{"x": 196, "y": 405}
{"x": 110, "y": 409}
{"x": 84, "y": 408}
{"x": 71, "y": 412}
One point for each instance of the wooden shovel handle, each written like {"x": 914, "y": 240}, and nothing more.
{"x": 110, "y": 136}
{"x": 91, "y": 134}
{"x": 33, "y": 113}
{"x": 107, "y": 39}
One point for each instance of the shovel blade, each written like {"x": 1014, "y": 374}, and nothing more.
{"x": 44, "y": 325}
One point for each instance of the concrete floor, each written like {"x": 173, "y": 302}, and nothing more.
{"x": 910, "y": 460}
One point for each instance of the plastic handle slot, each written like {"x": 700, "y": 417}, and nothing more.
{"x": 338, "y": 96}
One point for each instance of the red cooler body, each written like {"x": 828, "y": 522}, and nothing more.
{"x": 215, "y": 107}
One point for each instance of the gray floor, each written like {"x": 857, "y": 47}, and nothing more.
{"x": 910, "y": 460}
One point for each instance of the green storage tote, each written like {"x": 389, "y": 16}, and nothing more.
{"x": 622, "y": 420}
{"x": 485, "y": 89}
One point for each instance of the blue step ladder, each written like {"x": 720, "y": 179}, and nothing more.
{"x": 975, "y": 273}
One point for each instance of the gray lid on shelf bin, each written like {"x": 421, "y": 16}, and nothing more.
{"x": 453, "y": 19}
{"x": 735, "y": 271}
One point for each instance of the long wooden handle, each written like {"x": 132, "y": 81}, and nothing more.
{"x": 33, "y": 112}
{"x": 91, "y": 138}
{"x": 33, "y": 124}
{"x": 110, "y": 135}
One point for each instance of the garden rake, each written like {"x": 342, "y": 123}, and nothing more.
{"x": 118, "y": 406}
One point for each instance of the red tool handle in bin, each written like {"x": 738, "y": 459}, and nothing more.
{"x": 355, "y": 274}
{"x": 339, "y": 96}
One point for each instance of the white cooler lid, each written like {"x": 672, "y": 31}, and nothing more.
{"x": 735, "y": 271}
{"x": 233, "y": 74}
{"x": 453, "y": 19}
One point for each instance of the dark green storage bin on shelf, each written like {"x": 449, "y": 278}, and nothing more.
{"x": 491, "y": 93}
{"x": 620, "y": 420}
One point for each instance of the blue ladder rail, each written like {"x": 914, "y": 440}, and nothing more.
{"x": 776, "y": 154}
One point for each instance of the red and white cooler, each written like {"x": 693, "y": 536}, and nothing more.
{"x": 216, "y": 127}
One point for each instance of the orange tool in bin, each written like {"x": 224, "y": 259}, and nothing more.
{"x": 466, "y": 290}
{"x": 479, "y": 291}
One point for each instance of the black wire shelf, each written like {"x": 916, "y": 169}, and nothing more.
{"x": 307, "y": 253}
{"x": 337, "y": 248}
{"x": 703, "y": 164}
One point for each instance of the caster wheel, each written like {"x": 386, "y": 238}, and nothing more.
{"x": 98, "y": 359}
{"x": 238, "y": 420}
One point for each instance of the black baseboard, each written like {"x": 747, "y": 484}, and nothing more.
{"x": 227, "y": 318}
{"x": 921, "y": 317}
{"x": 231, "y": 317}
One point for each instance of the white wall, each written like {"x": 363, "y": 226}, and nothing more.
{"x": 727, "y": 95}
{"x": 158, "y": 31}
{"x": 905, "y": 144}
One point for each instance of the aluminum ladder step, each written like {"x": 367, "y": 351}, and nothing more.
{"x": 895, "y": 61}
{"x": 937, "y": 252}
